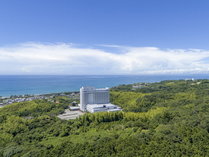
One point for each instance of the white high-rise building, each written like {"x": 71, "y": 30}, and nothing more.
{"x": 91, "y": 95}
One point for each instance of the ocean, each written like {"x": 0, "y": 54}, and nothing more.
{"x": 34, "y": 84}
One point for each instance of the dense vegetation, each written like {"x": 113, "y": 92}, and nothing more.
{"x": 169, "y": 118}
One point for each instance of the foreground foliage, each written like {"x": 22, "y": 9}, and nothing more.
{"x": 170, "y": 118}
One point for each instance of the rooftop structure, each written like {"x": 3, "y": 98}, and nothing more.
{"x": 74, "y": 108}
{"x": 102, "y": 108}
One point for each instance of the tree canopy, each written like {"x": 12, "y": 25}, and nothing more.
{"x": 168, "y": 118}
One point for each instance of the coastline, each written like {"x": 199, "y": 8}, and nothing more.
{"x": 70, "y": 94}
{"x": 49, "y": 97}
{"x": 46, "y": 84}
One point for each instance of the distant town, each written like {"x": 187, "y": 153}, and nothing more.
{"x": 49, "y": 97}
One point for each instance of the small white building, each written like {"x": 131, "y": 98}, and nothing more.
{"x": 74, "y": 108}
{"x": 102, "y": 108}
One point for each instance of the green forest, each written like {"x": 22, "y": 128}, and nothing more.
{"x": 162, "y": 119}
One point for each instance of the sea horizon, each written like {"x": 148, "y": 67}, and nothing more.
{"x": 46, "y": 84}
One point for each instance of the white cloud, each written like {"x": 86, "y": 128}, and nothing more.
{"x": 61, "y": 58}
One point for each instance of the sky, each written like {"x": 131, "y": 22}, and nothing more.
{"x": 104, "y": 37}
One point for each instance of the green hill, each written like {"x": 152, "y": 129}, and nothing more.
{"x": 168, "y": 118}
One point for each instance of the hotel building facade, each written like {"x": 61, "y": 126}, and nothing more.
{"x": 96, "y": 100}
{"x": 91, "y": 95}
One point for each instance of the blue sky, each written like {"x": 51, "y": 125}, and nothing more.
{"x": 106, "y": 26}
{"x": 161, "y": 23}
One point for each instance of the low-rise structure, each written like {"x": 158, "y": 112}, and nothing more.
{"x": 102, "y": 108}
{"x": 74, "y": 108}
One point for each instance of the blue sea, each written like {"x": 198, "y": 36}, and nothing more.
{"x": 18, "y": 85}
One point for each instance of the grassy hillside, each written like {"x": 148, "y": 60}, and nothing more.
{"x": 169, "y": 118}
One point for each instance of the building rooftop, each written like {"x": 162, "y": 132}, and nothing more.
{"x": 74, "y": 107}
{"x": 93, "y": 88}
{"x": 102, "y": 107}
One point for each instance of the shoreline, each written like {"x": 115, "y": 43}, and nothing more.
{"x": 71, "y": 94}
{"x": 40, "y": 94}
{"x": 30, "y": 97}
{"x": 41, "y": 85}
